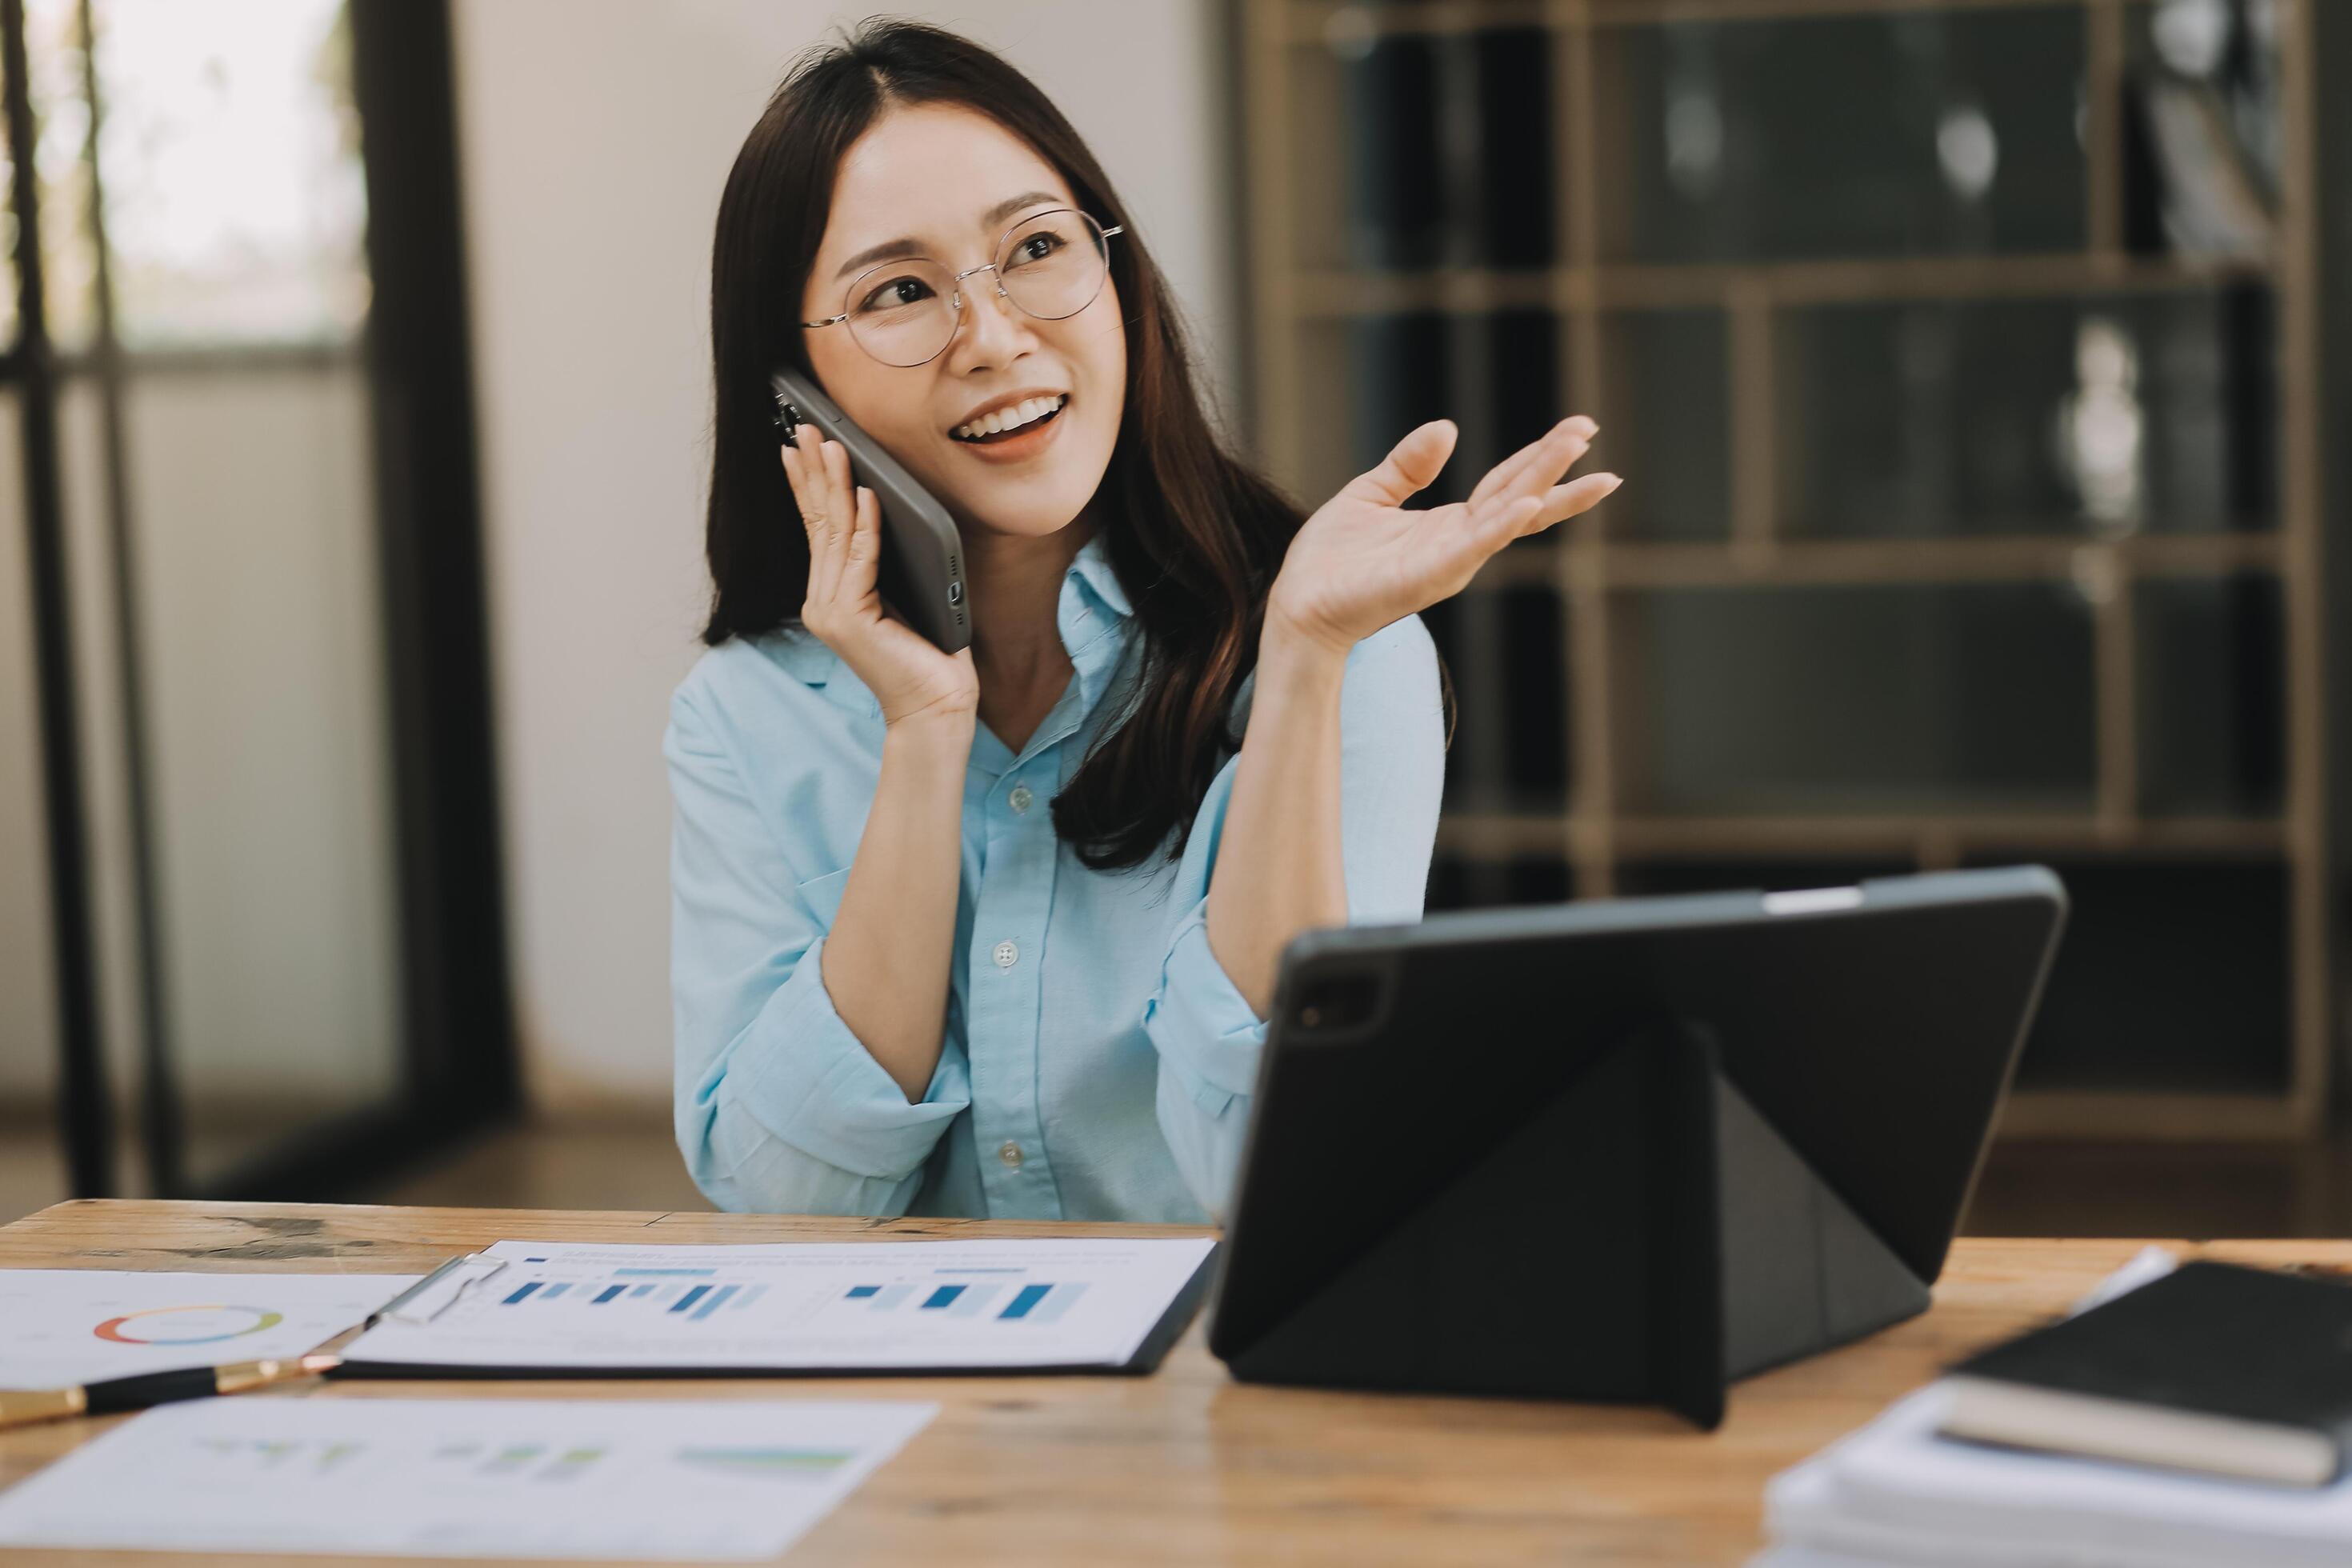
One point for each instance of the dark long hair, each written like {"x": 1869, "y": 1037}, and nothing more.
{"x": 1195, "y": 535}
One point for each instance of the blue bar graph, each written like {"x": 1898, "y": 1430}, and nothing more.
{"x": 689, "y": 1298}
{"x": 607, "y": 1293}
{"x": 519, "y": 1295}
{"x": 553, "y": 1291}
{"x": 750, "y": 1294}
{"x": 1041, "y": 1304}
{"x": 1056, "y": 1304}
{"x": 973, "y": 1299}
{"x": 718, "y": 1299}
{"x": 859, "y": 1292}
{"x": 1025, "y": 1300}
{"x": 637, "y": 1290}
{"x": 944, "y": 1296}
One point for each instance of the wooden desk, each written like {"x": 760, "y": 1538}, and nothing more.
{"x": 1187, "y": 1465}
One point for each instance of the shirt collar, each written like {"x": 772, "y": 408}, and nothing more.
{"x": 1093, "y": 568}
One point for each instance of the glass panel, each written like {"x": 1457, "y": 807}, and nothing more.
{"x": 8, "y": 321}
{"x": 1395, "y": 215}
{"x": 1457, "y": 883}
{"x": 1504, "y": 653}
{"x": 256, "y": 566}
{"x": 2172, "y": 974}
{"x": 2211, "y": 720}
{"x": 1861, "y": 699}
{"x": 1400, "y": 375}
{"x": 2203, "y": 128}
{"x": 106, "y": 776}
{"x": 61, "y": 108}
{"x": 1666, "y": 424}
{"x": 32, "y": 1167}
{"x": 236, "y": 200}
{"x": 2097, "y": 416}
{"x": 1927, "y": 131}
{"x": 1426, "y": 150}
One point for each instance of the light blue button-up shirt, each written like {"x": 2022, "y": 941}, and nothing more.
{"x": 1098, "y": 1063}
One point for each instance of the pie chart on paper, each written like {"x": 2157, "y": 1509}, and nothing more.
{"x": 59, "y": 1327}
{"x": 187, "y": 1325}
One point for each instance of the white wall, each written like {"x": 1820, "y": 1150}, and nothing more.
{"x": 596, "y": 135}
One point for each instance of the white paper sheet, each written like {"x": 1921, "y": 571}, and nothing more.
{"x": 64, "y": 1326}
{"x": 794, "y": 1306}
{"x": 447, "y": 1477}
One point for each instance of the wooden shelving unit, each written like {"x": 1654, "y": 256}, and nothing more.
{"x": 1305, "y": 294}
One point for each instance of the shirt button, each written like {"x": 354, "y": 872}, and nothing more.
{"x": 1010, "y": 1155}
{"x": 1007, "y": 955}
{"x": 1019, "y": 797}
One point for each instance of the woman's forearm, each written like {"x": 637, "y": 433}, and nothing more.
{"x": 887, "y": 959}
{"x": 1279, "y": 865}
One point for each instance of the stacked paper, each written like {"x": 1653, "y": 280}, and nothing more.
{"x": 1896, "y": 1495}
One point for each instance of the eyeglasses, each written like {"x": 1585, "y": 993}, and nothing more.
{"x": 1050, "y": 265}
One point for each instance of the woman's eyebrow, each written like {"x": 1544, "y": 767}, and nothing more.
{"x": 905, "y": 245}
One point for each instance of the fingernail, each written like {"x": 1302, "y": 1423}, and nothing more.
{"x": 1614, "y": 480}
{"x": 1581, "y": 425}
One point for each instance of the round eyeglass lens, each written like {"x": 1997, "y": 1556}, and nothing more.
{"x": 1052, "y": 265}
{"x": 900, "y": 312}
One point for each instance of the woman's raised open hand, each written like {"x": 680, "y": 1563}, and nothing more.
{"x": 1365, "y": 559}
{"x": 844, "y": 610}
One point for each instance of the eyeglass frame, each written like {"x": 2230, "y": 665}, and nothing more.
{"x": 955, "y": 281}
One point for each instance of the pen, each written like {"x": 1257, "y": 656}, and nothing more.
{"x": 18, "y": 1409}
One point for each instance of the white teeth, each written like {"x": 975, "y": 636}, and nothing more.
{"x": 1010, "y": 418}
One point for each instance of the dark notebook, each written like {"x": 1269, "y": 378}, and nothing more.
{"x": 2228, "y": 1371}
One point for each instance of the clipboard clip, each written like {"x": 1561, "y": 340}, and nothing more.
{"x": 439, "y": 1291}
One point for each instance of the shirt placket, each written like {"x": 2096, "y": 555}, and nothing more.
{"x": 1005, "y": 998}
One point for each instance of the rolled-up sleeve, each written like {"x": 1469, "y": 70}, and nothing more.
{"x": 1392, "y": 776}
{"x": 779, "y": 1108}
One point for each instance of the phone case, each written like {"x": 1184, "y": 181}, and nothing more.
{"x": 921, "y": 575}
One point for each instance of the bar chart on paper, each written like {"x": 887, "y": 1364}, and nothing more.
{"x": 637, "y": 1479}
{"x": 883, "y": 1306}
{"x": 1029, "y": 1301}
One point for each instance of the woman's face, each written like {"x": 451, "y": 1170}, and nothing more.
{"x": 949, "y": 182}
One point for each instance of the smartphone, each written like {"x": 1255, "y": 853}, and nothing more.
{"x": 922, "y": 570}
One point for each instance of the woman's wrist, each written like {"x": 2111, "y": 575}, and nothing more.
{"x": 1293, "y": 663}
{"x": 937, "y": 735}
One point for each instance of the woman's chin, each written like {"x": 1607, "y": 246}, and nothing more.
{"x": 1018, "y": 517}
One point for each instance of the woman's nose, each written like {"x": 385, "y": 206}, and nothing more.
{"x": 994, "y": 329}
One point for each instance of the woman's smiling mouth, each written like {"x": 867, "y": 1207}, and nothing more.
{"x": 1011, "y": 434}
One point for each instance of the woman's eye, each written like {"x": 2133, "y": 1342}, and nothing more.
{"x": 1036, "y": 248}
{"x": 897, "y": 293}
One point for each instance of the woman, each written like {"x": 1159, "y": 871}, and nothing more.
{"x": 996, "y": 932}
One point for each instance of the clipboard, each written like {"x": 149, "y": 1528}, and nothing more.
{"x": 1625, "y": 1151}
{"x": 473, "y": 1277}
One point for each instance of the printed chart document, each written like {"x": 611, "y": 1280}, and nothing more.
{"x": 446, "y": 1477}
{"x": 59, "y": 1327}
{"x": 884, "y": 1306}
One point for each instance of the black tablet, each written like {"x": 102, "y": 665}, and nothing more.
{"x": 1625, "y": 1148}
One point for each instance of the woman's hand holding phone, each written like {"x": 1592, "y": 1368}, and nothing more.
{"x": 911, "y": 679}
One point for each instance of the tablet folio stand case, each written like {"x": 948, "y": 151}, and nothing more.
{"x": 1700, "y": 1249}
